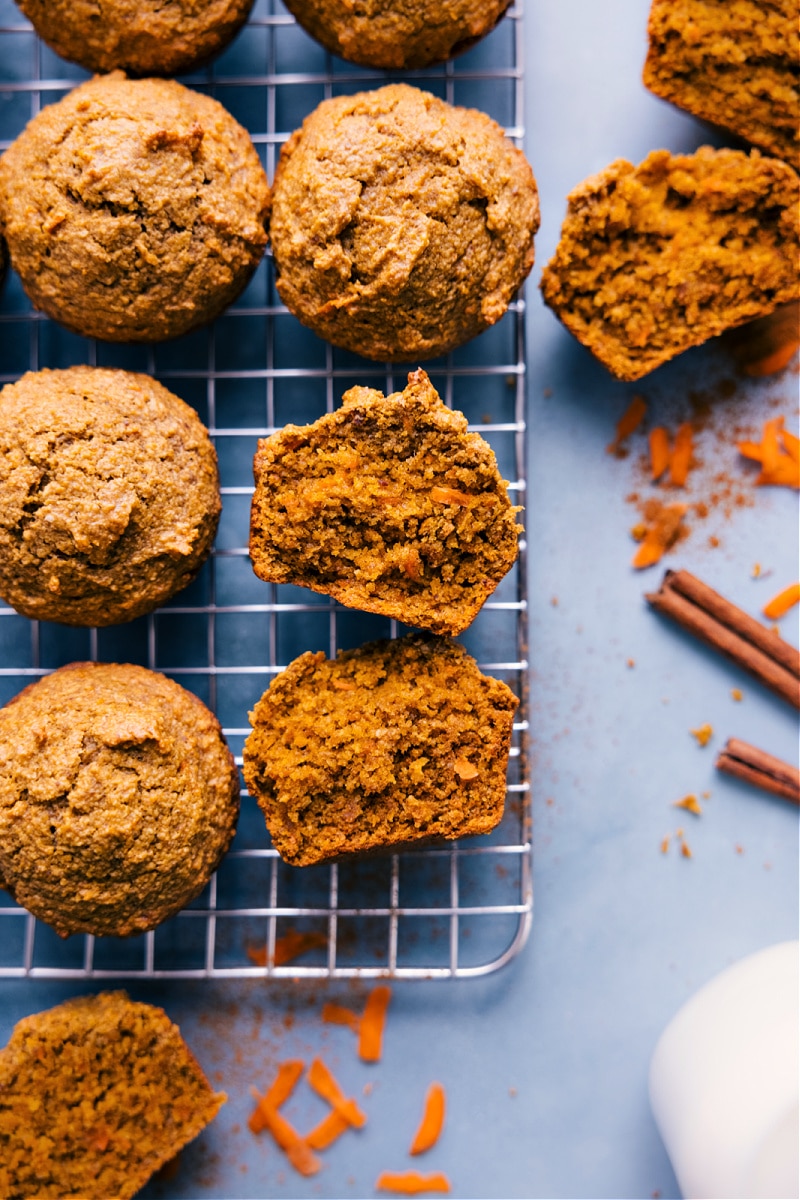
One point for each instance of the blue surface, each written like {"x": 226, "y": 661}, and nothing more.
{"x": 545, "y": 1062}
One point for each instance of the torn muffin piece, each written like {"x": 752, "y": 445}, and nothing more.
{"x": 393, "y": 743}
{"x": 388, "y": 505}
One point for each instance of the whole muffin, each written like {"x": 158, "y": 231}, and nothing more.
{"x": 118, "y": 798}
{"x": 396, "y": 742}
{"x": 134, "y": 209}
{"x": 109, "y": 495}
{"x": 105, "y": 1091}
{"x": 389, "y": 505}
{"x": 401, "y": 226}
{"x": 142, "y": 37}
{"x": 397, "y": 34}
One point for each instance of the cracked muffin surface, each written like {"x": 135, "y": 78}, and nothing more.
{"x": 118, "y": 798}
{"x": 397, "y": 34}
{"x": 389, "y": 505}
{"x": 95, "y": 1095}
{"x": 659, "y": 257}
{"x": 134, "y": 209}
{"x": 109, "y": 495}
{"x": 142, "y": 37}
{"x": 396, "y": 742}
{"x": 401, "y": 226}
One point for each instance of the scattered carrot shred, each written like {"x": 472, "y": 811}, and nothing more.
{"x": 779, "y": 455}
{"x": 329, "y": 1129}
{"x": 685, "y": 851}
{"x": 750, "y": 450}
{"x": 681, "y": 456}
{"x": 791, "y": 444}
{"x": 703, "y": 733}
{"x": 773, "y": 362}
{"x": 290, "y": 946}
{"x": 659, "y": 452}
{"x": 322, "y": 1081}
{"x": 629, "y": 422}
{"x": 370, "y": 1040}
{"x": 779, "y": 605}
{"x": 662, "y": 531}
{"x": 664, "y": 845}
{"x": 432, "y": 1123}
{"x": 411, "y": 1183}
{"x": 337, "y": 1014}
{"x": 691, "y": 805}
{"x": 296, "y": 1149}
{"x": 279, "y": 1092}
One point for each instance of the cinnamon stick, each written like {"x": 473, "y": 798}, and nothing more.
{"x": 734, "y": 633}
{"x": 763, "y": 770}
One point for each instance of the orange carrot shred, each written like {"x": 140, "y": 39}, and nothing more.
{"x": 432, "y": 1122}
{"x": 337, "y": 1014}
{"x": 288, "y": 947}
{"x": 750, "y": 450}
{"x": 448, "y": 495}
{"x": 650, "y": 551}
{"x": 289, "y": 1140}
{"x": 629, "y": 422}
{"x": 324, "y": 1084}
{"x": 411, "y": 1183}
{"x": 279, "y": 1092}
{"x": 659, "y": 452}
{"x": 791, "y": 444}
{"x": 784, "y": 473}
{"x": 779, "y": 605}
{"x": 771, "y": 363}
{"x": 681, "y": 455}
{"x": 329, "y": 1129}
{"x": 370, "y": 1041}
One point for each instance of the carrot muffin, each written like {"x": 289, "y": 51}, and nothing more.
{"x": 95, "y": 1095}
{"x": 397, "y": 34}
{"x": 142, "y": 37}
{"x": 732, "y": 64}
{"x": 109, "y": 495}
{"x": 134, "y": 209}
{"x": 401, "y": 226}
{"x": 118, "y": 798}
{"x": 396, "y": 742}
{"x": 659, "y": 257}
{"x": 388, "y": 505}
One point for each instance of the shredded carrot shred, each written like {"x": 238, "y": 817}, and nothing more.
{"x": 465, "y": 770}
{"x": 685, "y": 851}
{"x": 703, "y": 733}
{"x": 681, "y": 455}
{"x": 659, "y": 452}
{"x": 448, "y": 495}
{"x": 370, "y": 1040}
{"x": 288, "y": 947}
{"x": 337, "y": 1014}
{"x": 773, "y": 362}
{"x": 411, "y": 1183}
{"x": 779, "y": 455}
{"x": 295, "y": 1147}
{"x": 629, "y": 422}
{"x": 779, "y": 605}
{"x": 791, "y": 444}
{"x": 324, "y": 1084}
{"x": 329, "y": 1129}
{"x": 432, "y": 1122}
{"x": 279, "y": 1092}
{"x": 750, "y": 450}
{"x": 690, "y": 804}
{"x": 657, "y": 536}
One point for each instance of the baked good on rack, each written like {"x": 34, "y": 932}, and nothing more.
{"x": 659, "y": 257}
{"x": 142, "y": 37}
{"x": 393, "y": 743}
{"x": 401, "y": 226}
{"x": 109, "y": 495}
{"x": 134, "y": 209}
{"x": 397, "y": 34}
{"x": 95, "y": 1095}
{"x": 732, "y": 64}
{"x": 388, "y": 505}
{"x": 118, "y": 798}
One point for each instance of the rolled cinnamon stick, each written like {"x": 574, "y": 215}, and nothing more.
{"x": 734, "y": 633}
{"x": 763, "y": 770}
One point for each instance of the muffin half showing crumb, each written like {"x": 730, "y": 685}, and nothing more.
{"x": 118, "y": 798}
{"x": 659, "y": 257}
{"x": 394, "y": 743}
{"x": 732, "y": 64}
{"x": 109, "y": 495}
{"x": 388, "y": 505}
{"x": 402, "y": 226}
{"x": 95, "y": 1095}
{"x": 134, "y": 209}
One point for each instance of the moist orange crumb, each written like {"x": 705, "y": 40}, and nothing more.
{"x": 737, "y": 694}
{"x": 690, "y": 804}
{"x": 703, "y": 734}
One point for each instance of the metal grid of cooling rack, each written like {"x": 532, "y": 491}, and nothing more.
{"x": 460, "y": 910}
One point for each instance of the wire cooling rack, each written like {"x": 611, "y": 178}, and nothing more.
{"x": 459, "y": 910}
